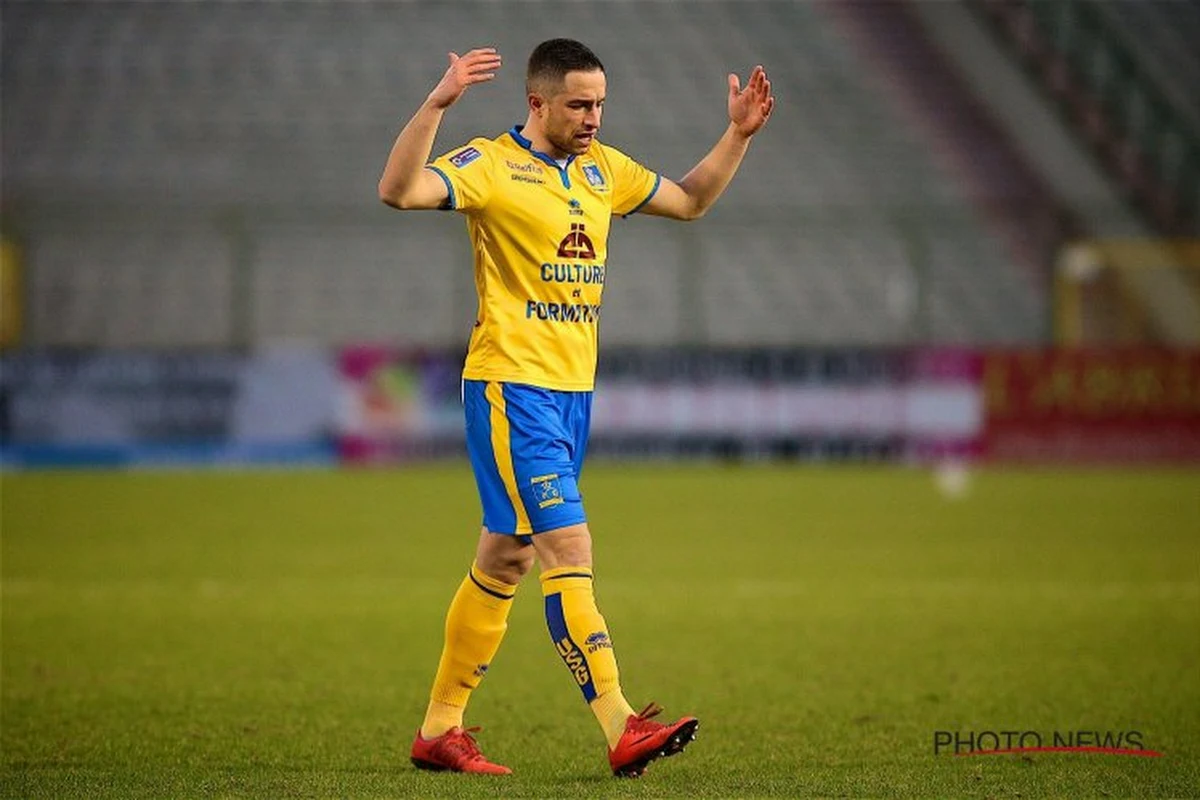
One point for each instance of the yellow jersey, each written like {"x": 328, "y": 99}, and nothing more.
{"x": 539, "y": 234}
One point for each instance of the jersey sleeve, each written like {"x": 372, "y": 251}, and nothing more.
{"x": 468, "y": 174}
{"x": 633, "y": 184}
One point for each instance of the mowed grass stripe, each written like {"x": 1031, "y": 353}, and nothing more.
{"x": 273, "y": 634}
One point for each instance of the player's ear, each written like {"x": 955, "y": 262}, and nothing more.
{"x": 536, "y": 103}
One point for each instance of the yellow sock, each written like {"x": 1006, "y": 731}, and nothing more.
{"x": 612, "y": 710}
{"x": 475, "y": 625}
{"x": 581, "y": 638}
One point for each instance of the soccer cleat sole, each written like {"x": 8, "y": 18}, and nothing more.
{"x": 679, "y": 740}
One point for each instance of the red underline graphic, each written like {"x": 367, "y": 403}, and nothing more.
{"x": 1112, "y": 751}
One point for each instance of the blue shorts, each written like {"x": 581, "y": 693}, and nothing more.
{"x": 526, "y": 446}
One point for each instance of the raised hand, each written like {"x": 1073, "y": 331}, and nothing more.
{"x": 750, "y": 108}
{"x": 477, "y": 66}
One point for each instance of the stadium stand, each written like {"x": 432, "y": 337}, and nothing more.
{"x": 1118, "y": 73}
{"x": 1164, "y": 36}
{"x": 841, "y": 226}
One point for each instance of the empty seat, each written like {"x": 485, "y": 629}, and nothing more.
{"x": 281, "y": 116}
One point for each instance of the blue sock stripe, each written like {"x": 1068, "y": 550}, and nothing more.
{"x": 568, "y": 650}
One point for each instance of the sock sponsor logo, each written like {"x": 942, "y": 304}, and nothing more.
{"x": 574, "y": 660}
{"x": 481, "y": 670}
{"x": 597, "y": 640}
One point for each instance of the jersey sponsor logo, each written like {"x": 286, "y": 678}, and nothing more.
{"x": 593, "y": 174}
{"x": 574, "y": 660}
{"x": 574, "y": 208}
{"x": 576, "y": 244}
{"x": 530, "y": 167}
{"x": 464, "y": 157}
{"x": 547, "y": 490}
{"x": 525, "y": 173}
{"x": 587, "y": 313}
{"x": 573, "y": 273}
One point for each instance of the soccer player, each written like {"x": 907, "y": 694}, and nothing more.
{"x": 538, "y": 200}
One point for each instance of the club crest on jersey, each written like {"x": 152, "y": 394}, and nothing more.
{"x": 464, "y": 157}
{"x": 547, "y": 490}
{"x": 593, "y": 175}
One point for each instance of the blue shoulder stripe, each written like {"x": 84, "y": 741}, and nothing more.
{"x": 653, "y": 191}
{"x": 451, "y": 201}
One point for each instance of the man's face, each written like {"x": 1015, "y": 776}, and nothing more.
{"x": 571, "y": 116}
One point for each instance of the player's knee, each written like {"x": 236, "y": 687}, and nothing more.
{"x": 566, "y": 547}
{"x": 504, "y": 557}
{"x": 522, "y": 563}
{"x": 509, "y": 566}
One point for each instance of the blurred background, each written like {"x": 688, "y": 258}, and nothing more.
{"x": 967, "y": 233}
{"x": 958, "y": 271}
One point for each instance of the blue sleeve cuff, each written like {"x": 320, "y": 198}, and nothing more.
{"x": 653, "y": 191}
{"x": 452, "y": 202}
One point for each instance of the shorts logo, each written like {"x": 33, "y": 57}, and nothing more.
{"x": 547, "y": 490}
{"x": 464, "y": 157}
{"x": 597, "y": 640}
{"x": 593, "y": 175}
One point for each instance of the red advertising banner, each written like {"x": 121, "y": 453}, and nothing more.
{"x": 1116, "y": 406}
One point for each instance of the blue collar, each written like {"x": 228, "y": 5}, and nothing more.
{"x": 515, "y": 133}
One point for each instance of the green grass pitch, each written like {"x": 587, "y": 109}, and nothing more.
{"x": 273, "y": 634}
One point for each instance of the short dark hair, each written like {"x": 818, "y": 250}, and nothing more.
{"x": 554, "y": 58}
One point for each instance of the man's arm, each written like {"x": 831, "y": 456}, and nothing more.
{"x": 405, "y": 182}
{"x": 691, "y": 196}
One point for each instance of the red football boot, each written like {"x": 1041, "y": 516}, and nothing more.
{"x": 645, "y": 740}
{"x": 456, "y": 751}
